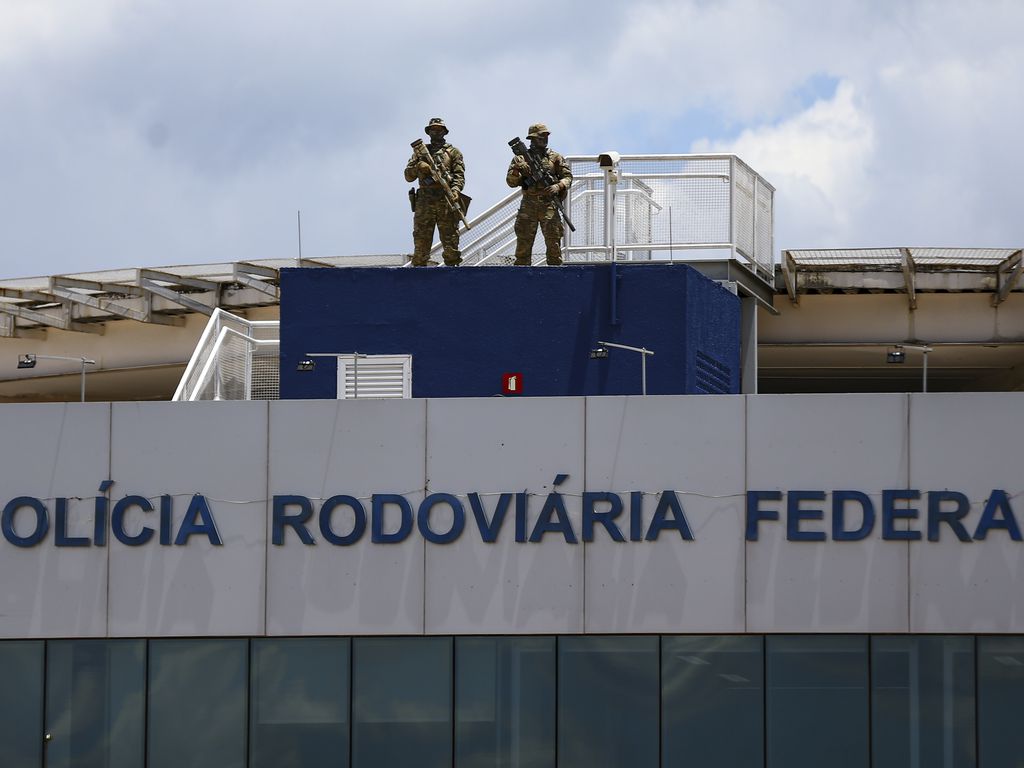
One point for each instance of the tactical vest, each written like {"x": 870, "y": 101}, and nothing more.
{"x": 552, "y": 162}
{"x": 443, "y": 160}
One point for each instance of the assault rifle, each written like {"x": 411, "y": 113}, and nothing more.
{"x": 539, "y": 177}
{"x": 457, "y": 202}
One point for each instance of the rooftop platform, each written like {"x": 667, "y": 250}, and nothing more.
{"x": 711, "y": 212}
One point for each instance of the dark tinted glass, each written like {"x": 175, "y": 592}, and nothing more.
{"x": 922, "y": 702}
{"x": 95, "y": 703}
{"x": 712, "y": 700}
{"x": 402, "y": 702}
{"x": 504, "y": 702}
{"x": 197, "y": 703}
{"x": 299, "y": 703}
{"x": 608, "y": 701}
{"x": 817, "y": 701}
{"x": 21, "y": 703}
{"x": 1000, "y": 701}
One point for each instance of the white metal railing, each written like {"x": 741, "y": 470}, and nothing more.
{"x": 235, "y": 359}
{"x": 643, "y": 208}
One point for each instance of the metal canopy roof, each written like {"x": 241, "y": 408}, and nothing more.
{"x": 83, "y": 301}
{"x": 948, "y": 258}
{"x": 909, "y": 270}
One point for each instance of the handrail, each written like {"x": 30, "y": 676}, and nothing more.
{"x": 713, "y": 201}
{"x": 212, "y": 323}
{"x": 211, "y": 345}
{"x": 204, "y": 375}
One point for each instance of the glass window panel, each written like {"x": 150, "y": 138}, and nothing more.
{"x": 922, "y": 702}
{"x": 817, "y": 701}
{"x": 1001, "y": 701}
{"x": 95, "y": 710}
{"x": 299, "y": 709}
{"x": 608, "y": 702}
{"x": 712, "y": 700}
{"x": 505, "y": 702}
{"x": 402, "y": 702}
{"x": 21, "y": 703}
{"x": 197, "y": 703}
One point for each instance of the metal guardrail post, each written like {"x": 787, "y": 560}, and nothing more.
{"x": 732, "y": 205}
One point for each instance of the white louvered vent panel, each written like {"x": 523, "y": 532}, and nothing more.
{"x": 374, "y": 376}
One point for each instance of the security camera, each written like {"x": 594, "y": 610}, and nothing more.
{"x": 608, "y": 159}
{"x": 599, "y": 354}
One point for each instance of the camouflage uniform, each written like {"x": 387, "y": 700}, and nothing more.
{"x": 431, "y": 207}
{"x": 537, "y": 206}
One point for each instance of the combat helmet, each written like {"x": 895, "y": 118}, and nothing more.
{"x": 435, "y": 122}
{"x": 536, "y": 130}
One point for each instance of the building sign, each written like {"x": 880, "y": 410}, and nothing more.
{"x": 441, "y": 518}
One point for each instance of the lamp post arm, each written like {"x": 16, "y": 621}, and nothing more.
{"x": 641, "y": 350}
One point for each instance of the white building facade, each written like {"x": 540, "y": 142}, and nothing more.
{"x": 729, "y": 580}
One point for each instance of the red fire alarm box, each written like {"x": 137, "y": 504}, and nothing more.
{"x": 512, "y": 384}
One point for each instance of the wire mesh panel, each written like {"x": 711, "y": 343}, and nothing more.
{"x": 743, "y": 207}
{"x": 226, "y": 375}
{"x": 664, "y": 206}
{"x": 191, "y": 381}
{"x": 235, "y": 359}
{"x": 661, "y": 205}
{"x": 764, "y": 226}
{"x": 266, "y": 374}
{"x": 492, "y": 240}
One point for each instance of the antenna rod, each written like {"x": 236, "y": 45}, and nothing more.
{"x": 298, "y": 217}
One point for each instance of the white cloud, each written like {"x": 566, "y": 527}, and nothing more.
{"x": 154, "y": 131}
{"x": 817, "y": 160}
{"x": 32, "y": 27}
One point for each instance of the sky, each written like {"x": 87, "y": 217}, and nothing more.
{"x": 164, "y": 132}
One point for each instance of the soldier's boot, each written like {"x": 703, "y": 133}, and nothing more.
{"x": 452, "y": 258}
{"x": 554, "y": 257}
{"x": 524, "y": 256}
{"x": 421, "y": 255}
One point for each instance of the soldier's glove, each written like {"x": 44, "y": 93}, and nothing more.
{"x": 424, "y": 168}
{"x": 555, "y": 190}
{"x": 521, "y": 165}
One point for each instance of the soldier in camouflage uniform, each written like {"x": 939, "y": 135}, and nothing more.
{"x": 538, "y": 206}
{"x": 431, "y": 207}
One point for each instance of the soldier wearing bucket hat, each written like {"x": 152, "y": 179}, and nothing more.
{"x": 541, "y": 202}
{"x": 430, "y": 205}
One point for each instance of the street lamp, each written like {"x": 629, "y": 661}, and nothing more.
{"x": 898, "y": 355}
{"x": 307, "y": 363}
{"x": 29, "y": 361}
{"x": 602, "y": 352}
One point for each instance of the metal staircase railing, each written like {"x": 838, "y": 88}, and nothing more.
{"x": 645, "y": 208}
{"x": 235, "y": 359}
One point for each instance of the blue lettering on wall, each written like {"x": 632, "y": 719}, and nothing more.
{"x": 458, "y": 518}
{"x": 198, "y": 522}
{"x": 900, "y": 514}
{"x": 839, "y": 506}
{"x": 358, "y": 520}
{"x": 42, "y": 521}
{"x": 379, "y": 504}
{"x": 441, "y": 518}
{"x": 998, "y": 515}
{"x": 796, "y": 513}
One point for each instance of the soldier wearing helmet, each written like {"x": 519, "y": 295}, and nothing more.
{"x": 538, "y": 207}
{"x": 430, "y": 208}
